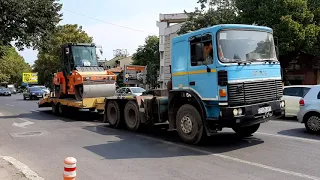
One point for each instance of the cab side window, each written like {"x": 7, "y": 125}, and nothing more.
{"x": 201, "y": 50}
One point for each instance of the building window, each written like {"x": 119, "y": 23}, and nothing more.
{"x": 161, "y": 39}
{"x": 161, "y": 55}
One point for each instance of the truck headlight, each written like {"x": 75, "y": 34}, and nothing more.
{"x": 237, "y": 112}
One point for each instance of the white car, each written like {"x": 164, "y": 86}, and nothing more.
{"x": 137, "y": 91}
{"x": 292, "y": 96}
{"x": 309, "y": 112}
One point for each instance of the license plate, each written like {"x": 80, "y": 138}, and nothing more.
{"x": 39, "y": 96}
{"x": 264, "y": 110}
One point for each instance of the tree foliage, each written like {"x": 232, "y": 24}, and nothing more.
{"x": 27, "y": 22}
{"x": 12, "y": 65}
{"x": 49, "y": 60}
{"x": 148, "y": 55}
{"x": 296, "y": 23}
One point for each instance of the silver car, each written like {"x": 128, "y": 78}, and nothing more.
{"x": 309, "y": 112}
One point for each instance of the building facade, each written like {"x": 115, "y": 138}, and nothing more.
{"x": 169, "y": 25}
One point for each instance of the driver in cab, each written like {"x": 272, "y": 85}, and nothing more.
{"x": 208, "y": 53}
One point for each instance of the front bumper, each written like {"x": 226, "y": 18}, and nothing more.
{"x": 250, "y": 115}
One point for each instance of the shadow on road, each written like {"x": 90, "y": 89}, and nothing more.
{"x": 139, "y": 145}
{"x": 46, "y": 115}
{"x": 299, "y": 132}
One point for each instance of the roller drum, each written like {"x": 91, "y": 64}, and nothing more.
{"x": 95, "y": 90}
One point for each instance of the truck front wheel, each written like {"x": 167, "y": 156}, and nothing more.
{"x": 189, "y": 124}
{"x": 132, "y": 116}
{"x": 246, "y": 131}
{"x": 112, "y": 114}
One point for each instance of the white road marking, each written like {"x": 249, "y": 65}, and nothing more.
{"x": 9, "y": 105}
{"x": 289, "y": 137}
{"x": 0, "y": 114}
{"x": 24, "y": 124}
{"x": 35, "y": 111}
{"x": 235, "y": 159}
{"x": 91, "y": 124}
{"x": 22, "y": 168}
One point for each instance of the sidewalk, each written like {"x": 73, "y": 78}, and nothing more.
{"x": 12, "y": 169}
{"x": 9, "y": 172}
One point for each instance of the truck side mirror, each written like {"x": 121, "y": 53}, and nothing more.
{"x": 277, "y": 52}
{"x": 199, "y": 52}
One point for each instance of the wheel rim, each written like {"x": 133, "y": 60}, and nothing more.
{"x": 53, "y": 108}
{"x": 60, "y": 109}
{"x": 314, "y": 123}
{"x": 186, "y": 124}
{"x": 112, "y": 115}
{"x": 131, "y": 120}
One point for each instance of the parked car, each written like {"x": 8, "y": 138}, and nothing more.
{"x": 309, "y": 112}
{"x": 5, "y": 92}
{"x": 33, "y": 93}
{"x": 44, "y": 89}
{"x": 137, "y": 91}
{"x": 13, "y": 90}
{"x": 292, "y": 96}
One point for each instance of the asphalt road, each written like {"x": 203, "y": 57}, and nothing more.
{"x": 279, "y": 150}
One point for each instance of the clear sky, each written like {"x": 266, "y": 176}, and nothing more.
{"x": 135, "y": 14}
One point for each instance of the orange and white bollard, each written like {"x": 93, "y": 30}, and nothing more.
{"x": 70, "y": 165}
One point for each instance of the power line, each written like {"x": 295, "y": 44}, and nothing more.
{"x": 107, "y": 22}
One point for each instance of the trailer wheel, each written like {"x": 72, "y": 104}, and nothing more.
{"x": 54, "y": 109}
{"x": 189, "y": 124}
{"x": 61, "y": 109}
{"x": 112, "y": 114}
{"x": 132, "y": 116}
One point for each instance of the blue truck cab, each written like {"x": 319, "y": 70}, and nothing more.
{"x": 224, "y": 76}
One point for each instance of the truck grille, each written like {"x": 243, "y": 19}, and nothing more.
{"x": 254, "y": 92}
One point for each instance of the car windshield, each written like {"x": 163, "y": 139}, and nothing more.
{"x": 84, "y": 56}
{"x": 245, "y": 45}
{"x": 137, "y": 90}
{"x": 35, "y": 89}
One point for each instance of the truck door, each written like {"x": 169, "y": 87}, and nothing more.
{"x": 202, "y": 74}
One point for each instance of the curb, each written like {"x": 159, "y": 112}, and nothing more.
{"x": 24, "y": 169}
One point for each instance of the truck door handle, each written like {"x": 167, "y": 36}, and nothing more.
{"x": 192, "y": 83}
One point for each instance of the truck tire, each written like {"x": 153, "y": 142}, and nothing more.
{"x": 189, "y": 124}
{"x": 246, "y": 131}
{"x": 132, "y": 116}
{"x": 112, "y": 114}
{"x": 54, "y": 109}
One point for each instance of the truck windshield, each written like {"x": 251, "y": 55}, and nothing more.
{"x": 245, "y": 45}
{"x": 84, "y": 56}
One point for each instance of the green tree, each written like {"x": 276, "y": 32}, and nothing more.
{"x": 211, "y": 12}
{"x": 120, "y": 79}
{"x": 12, "y": 65}
{"x": 148, "y": 55}
{"x": 27, "y": 22}
{"x": 49, "y": 60}
{"x": 296, "y": 23}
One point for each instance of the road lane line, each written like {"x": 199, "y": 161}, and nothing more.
{"x": 289, "y": 137}
{"x": 234, "y": 159}
{"x": 22, "y": 168}
{"x": 9, "y": 105}
{"x": 35, "y": 111}
{"x": 22, "y": 125}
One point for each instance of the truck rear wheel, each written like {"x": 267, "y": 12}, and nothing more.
{"x": 132, "y": 116}
{"x": 246, "y": 131}
{"x": 112, "y": 114}
{"x": 189, "y": 124}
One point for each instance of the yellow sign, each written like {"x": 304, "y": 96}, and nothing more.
{"x": 30, "y": 77}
